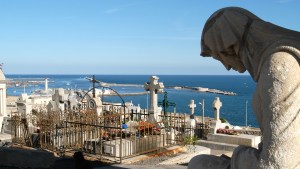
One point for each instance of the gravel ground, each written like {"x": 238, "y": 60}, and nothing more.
{"x": 155, "y": 160}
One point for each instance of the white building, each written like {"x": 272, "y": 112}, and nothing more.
{"x": 2, "y": 97}
{"x": 37, "y": 100}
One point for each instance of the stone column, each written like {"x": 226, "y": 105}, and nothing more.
{"x": 154, "y": 87}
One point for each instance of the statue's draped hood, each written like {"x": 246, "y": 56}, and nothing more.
{"x": 236, "y": 32}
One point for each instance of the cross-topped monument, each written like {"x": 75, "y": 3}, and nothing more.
{"x": 216, "y": 123}
{"x": 154, "y": 87}
{"x": 192, "y": 107}
{"x": 217, "y": 104}
{"x": 191, "y": 122}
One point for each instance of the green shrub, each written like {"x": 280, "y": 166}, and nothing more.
{"x": 190, "y": 140}
{"x": 223, "y": 120}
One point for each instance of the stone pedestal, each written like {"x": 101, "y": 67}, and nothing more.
{"x": 133, "y": 146}
{"x": 191, "y": 126}
{"x": 113, "y": 148}
{"x": 215, "y": 125}
{"x": 171, "y": 136}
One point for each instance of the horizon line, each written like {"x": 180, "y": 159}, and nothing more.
{"x": 131, "y": 74}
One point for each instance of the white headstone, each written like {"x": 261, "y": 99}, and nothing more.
{"x": 171, "y": 136}
{"x": 191, "y": 126}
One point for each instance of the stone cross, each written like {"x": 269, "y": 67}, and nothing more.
{"x": 154, "y": 87}
{"x": 192, "y": 107}
{"x": 217, "y": 104}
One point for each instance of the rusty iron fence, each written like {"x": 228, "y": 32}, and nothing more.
{"x": 104, "y": 136}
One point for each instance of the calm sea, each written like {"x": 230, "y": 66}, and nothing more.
{"x": 234, "y": 108}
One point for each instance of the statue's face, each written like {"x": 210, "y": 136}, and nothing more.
{"x": 231, "y": 61}
{"x": 226, "y": 55}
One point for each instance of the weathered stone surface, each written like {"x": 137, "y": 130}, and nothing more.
{"x": 242, "y": 41}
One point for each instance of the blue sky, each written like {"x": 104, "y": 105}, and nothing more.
{"x": 119, "y": 36}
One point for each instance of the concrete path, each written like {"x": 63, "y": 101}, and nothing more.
{"x": 185, "y": 157}
{"x": 179, "y": 161}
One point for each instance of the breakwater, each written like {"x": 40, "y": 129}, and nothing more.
{"x": 202, "y": 89}
{"x": 20, "y": 82}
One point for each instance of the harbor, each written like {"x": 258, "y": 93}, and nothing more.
{"x": 24, "y": 82}
{"x": 124, "y": 127}
{"x": 235, "y": 104}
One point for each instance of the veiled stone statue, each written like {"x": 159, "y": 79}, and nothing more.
{"x": 271, "y": 54}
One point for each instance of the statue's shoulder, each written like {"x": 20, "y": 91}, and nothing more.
{"x": 280, "y": 66}
{"x": 282, "y": 52}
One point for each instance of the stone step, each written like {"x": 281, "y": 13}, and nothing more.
{"x": 240, "y": 139}
{"x": 217, "y": 145}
